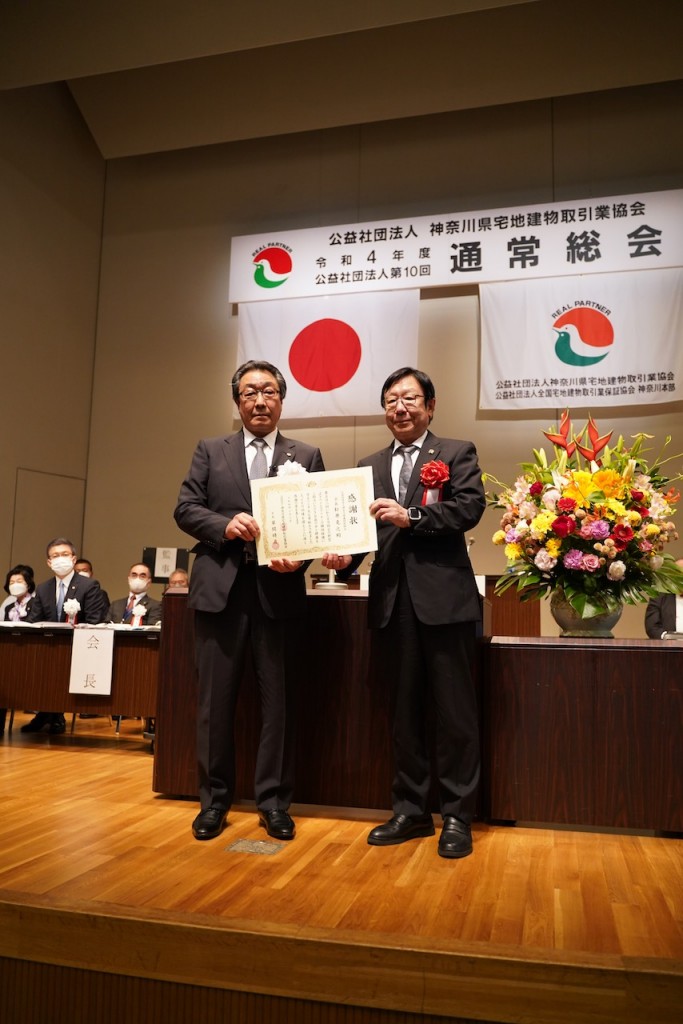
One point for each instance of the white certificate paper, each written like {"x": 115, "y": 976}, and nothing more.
{"x": 303, "y": 515}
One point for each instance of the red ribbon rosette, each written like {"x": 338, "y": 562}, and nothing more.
{"x": 433, "y": 476}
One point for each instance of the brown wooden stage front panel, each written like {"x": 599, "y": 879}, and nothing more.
{"x": 575, "y": 732}
{"x": 583, "y": 732}
{"x": 343, "y": 756}
{"x": 35, "y": 666}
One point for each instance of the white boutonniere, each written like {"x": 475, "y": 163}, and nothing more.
{"x": 137, "y": 614}
{"x": 71, "y": 609}
{"x": 291, "y": 469}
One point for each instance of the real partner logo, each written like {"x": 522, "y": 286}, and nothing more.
{"x": 273, "y": 265}
{"x": 583, "y": 330}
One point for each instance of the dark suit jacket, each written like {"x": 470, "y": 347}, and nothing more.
{"x": 118, "y": 607}
{"x": 86, "y": 591}
{"x": 29, "y": 605}
{"x": 216, "y": 489}
{"x": 660, "y": 616}
{"x": 433, "y": 551}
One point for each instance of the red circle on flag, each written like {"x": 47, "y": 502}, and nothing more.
{"x": 325, "y": 355}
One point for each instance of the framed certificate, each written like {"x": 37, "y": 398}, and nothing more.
{"x": 302, "y": 515}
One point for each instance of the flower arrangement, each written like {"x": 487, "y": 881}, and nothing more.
{"x": 291, "y": 468}
{"x": 71, "y": 608}
{"x": 595, "y": 531}
{"x": 433, "y": 476}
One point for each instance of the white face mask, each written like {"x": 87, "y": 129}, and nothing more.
{"x": 61, "y": 566}
{"x": 137, "y": 586}
{"x": 84, "y": 572}
{"x": 18, "y": 589}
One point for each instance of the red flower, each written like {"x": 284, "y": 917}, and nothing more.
{"x": 566, "y": 504}
{"x": 434, "y": 473}
{"x": 536, "y": 488}
{"x": 621, "y": 535}
{"x": 563, "y": 526}
{"x": 637, "y": 495}
{"x": 598, "y": 443}
{"x": 561, "y": 440}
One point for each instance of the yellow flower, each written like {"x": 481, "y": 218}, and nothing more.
{"x": 499, "y": 537}
{"x": 579, "y": 487}
{"x": 634, "y": 518}
{"x": 610, "y": 483}
{"x": 513, "y": 552}
{"x": 553, "y": 546}
{"x": 652, "y": 530}
{"x": 540, "y": 524}
{"x": 616, "y": 507}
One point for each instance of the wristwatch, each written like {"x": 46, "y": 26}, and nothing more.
{"x": 414, "y": 514}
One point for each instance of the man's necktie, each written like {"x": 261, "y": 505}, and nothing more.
{"x": 259, "y": 465}
{"x": 129, "y": 608}
{"x": 60, "y": 600}
{"x": 406, "y": 469}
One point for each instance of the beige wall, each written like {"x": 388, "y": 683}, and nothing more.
{"x": 166, "y": 336}
{"x": 51, "y": 196}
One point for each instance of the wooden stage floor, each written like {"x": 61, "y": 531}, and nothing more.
{"x": 102, "y": 882}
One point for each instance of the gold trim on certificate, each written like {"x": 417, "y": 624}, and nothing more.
{"x": 303, "y": 515}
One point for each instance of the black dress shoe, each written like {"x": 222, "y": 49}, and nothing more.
{"x": 277, "y": 824}
{"x": 37, "y": 723}
{"x": 57, "y": 725}
{"x": 401, "y": 827}
{"x": 455, "y": 839}
{"x": 209, "y": 823}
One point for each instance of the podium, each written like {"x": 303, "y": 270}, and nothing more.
{"x": 343, "y": 754}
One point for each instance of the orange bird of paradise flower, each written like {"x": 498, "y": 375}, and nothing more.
{"x": 562, "y": 440}
{"x": 598, "y": 443}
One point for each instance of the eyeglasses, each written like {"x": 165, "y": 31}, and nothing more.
{"x": 251, "y": 394}
{"x": 410, "y": 401}
{"x": 139, "y": 575}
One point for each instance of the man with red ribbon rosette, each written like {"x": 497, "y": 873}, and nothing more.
{"x": 424, "y": 604}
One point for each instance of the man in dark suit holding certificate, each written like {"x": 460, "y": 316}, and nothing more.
{"x": 424, "y": 604}
{"x": 240, "y": 605}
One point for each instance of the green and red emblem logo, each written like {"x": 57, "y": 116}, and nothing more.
{"x": 273, "y": 265}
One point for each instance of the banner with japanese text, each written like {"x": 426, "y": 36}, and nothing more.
{"x": 584, "y": 236}
{"x": 334, "y": 352}
{"x": 599, "y": 340}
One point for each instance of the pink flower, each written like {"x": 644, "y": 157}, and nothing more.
{"x": 573, "y": 559}
{"x": 591, "y": 563}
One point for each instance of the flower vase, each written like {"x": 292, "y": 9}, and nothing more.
{"x": 573, "y": 624}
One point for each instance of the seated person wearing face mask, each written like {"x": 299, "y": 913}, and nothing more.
{"x": 177, "y": 580}
{"x": 84, "y": 568}
{"x": 52, "y": 602}
{"x": 19, "y": 584}
{"x": 128, "y": 609}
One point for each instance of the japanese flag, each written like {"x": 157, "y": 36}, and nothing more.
{"x": 335, "y": 351}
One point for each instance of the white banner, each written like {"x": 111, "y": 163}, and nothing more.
{"x": 334, "y": 352}
{"x": 91, "y": 660}
{"x": 609, "y": 339}
{"x": 582, "y": 236}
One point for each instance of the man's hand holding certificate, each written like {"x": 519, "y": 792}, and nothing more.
{"x": 302, "y": 515}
